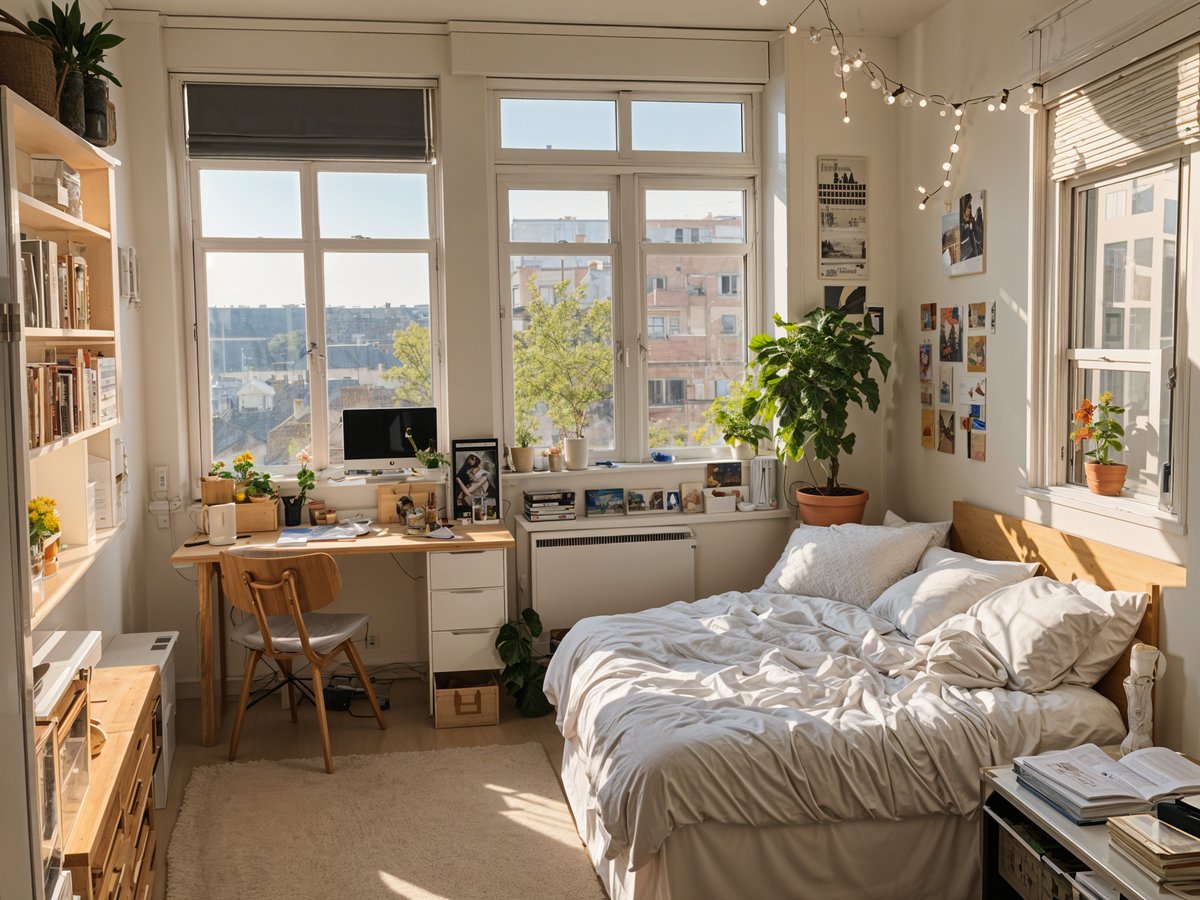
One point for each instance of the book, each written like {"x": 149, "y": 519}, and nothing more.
{"x": 550, "y": 497}
{"x": 1157, "y": 839}
{"x": 1086, "y": 783}
{"x": 550, "y": 517}
{"x": 1183, "y": 813}
{"x": 550, "y": 508}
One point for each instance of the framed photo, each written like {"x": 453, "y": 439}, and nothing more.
{"x": 842, "y": 217}
{"x": 925, "y": 362}
{"x": 644, "y": 500}
{"x": 963, "y": 236}
{"x": 875, "y": 314}
{"x": 692, "y": 494}
{"x": 723, "y": 474}
{"x": 977, "y": 315}
{"x": 476, "y": 479}
{"x": 928, "y": 316}
{"x": 604, "y": 502}
{"x": 672, "y": 501}
{"x": 950, "y": 334}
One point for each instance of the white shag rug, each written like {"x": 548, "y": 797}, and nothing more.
{"x": 474, "y": 823}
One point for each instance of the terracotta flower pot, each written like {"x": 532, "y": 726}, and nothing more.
{"x": 1107, "y": 481}
{"x": 838, "y": 509}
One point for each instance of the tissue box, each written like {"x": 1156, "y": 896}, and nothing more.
{"x": 723, "y": 499}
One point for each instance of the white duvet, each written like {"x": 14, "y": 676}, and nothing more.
{"x": 771, "y": 709}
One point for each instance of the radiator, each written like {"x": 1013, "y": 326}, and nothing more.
{"x": 576, "y": 574}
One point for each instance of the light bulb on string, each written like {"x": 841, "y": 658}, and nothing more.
{"x": 921, "y": 189}
{"x": 845, "y": 65}
{"x": 957, "y": 127}
{"x": 835, "y": 49}
{"x": 942, "y": 113}
{"x": 923, "y": 102}
{"x": 954, "y": 148}
{"x": 946, "y": 183}
{"x": 906, "y": 99}
{"x": 846, "y": 119}
{"x": 946, "y": 166}
{"x": 842, "y": 95}
{"x": 792, "y": 28}
{"x": 762, "y": 2}
{"x": 876, "y": 84}
{"x": 1004, "y": 100}
{"x": 991, "y": 107}
{"x": 958, "y": 110}
{"x": 921, "y": 205}
{"x": 814, "y": 34}
{"x": 858, "y": 61}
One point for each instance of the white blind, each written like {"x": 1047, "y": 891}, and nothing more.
{"x": 1144, "y": 109}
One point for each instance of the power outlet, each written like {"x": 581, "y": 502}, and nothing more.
{"x": 161, "y": 481}
{"x": 372, "y": 642}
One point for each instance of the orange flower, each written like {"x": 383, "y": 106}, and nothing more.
{"x": 1085, "y": 413}
{"x": 1079, "y": 435}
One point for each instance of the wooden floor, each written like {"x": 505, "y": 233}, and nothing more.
{"x": 269, "y": 733}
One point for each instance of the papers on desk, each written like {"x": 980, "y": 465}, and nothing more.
{"x": 342, "y": 531}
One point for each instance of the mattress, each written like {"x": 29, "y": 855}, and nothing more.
{"x": 763, "y": 713}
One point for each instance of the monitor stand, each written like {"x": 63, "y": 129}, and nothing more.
{"x": 389, "y": 477}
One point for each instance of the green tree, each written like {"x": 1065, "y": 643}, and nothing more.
{"x": 413, "y": 379}
{"x": 289, "y": 345}
{"x": 563, "y": 357}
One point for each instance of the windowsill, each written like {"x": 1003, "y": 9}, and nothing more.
{"x": 653, "y": 520}
{"x": 1124, "y": 508}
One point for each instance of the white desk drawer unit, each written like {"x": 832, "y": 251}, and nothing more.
{"x": 468, "y": 602}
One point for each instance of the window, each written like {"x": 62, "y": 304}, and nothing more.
{"x": 315, "y": 281}
{"x": 636, "y": 281}
{"x": 1122, "y": 312}
{"x": 1114, "y": 204}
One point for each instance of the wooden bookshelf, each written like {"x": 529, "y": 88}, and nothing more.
{"x": 64, "y": 469}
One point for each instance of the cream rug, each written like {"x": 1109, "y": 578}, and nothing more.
{"x": 475, "y": 823}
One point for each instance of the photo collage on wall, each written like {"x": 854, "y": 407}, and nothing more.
{"x": 954, "y": 396}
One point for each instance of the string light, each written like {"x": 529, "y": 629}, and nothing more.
{"x": 846, "y": 65}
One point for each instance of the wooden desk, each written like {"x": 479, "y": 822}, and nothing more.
{"x": 206, "y": 559}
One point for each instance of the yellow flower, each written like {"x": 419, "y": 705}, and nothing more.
{"x": 1106, "y": 398}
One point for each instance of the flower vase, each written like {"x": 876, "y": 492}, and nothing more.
{"x": 36, "y": 559}
{"x": 292, "y": 509}
{"x": 1107, "y": 481}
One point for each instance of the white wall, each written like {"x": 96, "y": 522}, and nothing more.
{"x": 943, "y": 54}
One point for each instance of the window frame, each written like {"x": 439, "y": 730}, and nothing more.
{"x": 630, "y": 172}
{"x": 1063, "y": 262}
{"x": 313, "y": 247}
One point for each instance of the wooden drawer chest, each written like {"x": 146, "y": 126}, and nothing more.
{"x": 111, "y": 850}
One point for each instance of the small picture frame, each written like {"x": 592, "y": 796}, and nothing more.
{"x": 640, "y": 501}
{"x": 672, "y": 501}
{"x": 604, "y": 502}
{"x": 476, "y": 479}
{"x": 692, "y": 496}
{"x": 722, "y": 474}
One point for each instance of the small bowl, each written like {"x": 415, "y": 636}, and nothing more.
{"x": 746, "y": 507}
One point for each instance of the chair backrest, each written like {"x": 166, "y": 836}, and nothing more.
{"x": 255, "y": 580}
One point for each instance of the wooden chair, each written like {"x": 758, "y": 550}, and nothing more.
{"x": 281, "y": 593}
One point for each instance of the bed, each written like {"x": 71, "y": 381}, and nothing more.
{"x": 770, "y": 745}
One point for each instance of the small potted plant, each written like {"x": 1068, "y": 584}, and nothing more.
{"x": 805, "y": 380}
{"x": 554, "y": 458}
{"x": 429, "y": 458}
{"x": 1097, "y": 422}
{"x": 217, "y": 486}
{"x": 522, "y": 454}
{"x": 729, "y": 418}
{"x": 44, "y": 532}
{"x": 243, "y": 468}
{"x": 524, "y": 674}
{"x": 307, "y": 480}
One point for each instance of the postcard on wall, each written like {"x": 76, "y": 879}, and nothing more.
{"x": 925, "y": 362}
{"x": 977, "y": 445}
{"x": 605, "y": 502}
{"x": 842, "y": 217}
{"x": 950, "y": 334}
{"x": 976, "y": 315}
{"x": 875, "y": 316}
{"x": 977, "y": 353}
{"x": 993, "y": 328}
{"x": 946, "y": 430}
{"x": 963, "y": 237}
{"x": 476, "y": 479}
{"x": 723, "y": 474}
{"x": 849, "y": 299}
{"x": 928, "y": 316}
{"x": 972, "y": 389}
{"x": 692, "y": 493}
{"x": 927, "y": 393}
{"x": 945, "y": 385}
{"x": 969, "y": 414}
{"x": 927, "y": 429}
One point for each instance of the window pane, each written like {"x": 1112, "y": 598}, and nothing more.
{"x": 547, "y": 124}
{"x": 373, "y": 204}
{"x": 1147, "y": 424}
{"x": 252, "y": 204}
{"x": 1128, "y": 293}
{"x": 695, "y": 217}
{"x": 687, "y": 126}
{"x": 257, "y": 356}
{"x": 377, "y": 334}
{"x": 555, "y": 216}
{"x": 563, "y": 347}
{"x": 701, "y": 352}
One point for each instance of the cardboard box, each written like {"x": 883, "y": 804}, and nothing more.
{"x": 258, "y": 516}
{"x": 466, "y": 698}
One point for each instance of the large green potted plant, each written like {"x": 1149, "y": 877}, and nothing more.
{"x": 726, "y": 414}
{"x": 805, "y": 380}
{"x": 79, "y": 54}
{"x": 523, "y": 673}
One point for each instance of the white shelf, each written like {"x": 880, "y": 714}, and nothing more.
{"x": 73, "y": 563}
{"x": 35, "y": 452}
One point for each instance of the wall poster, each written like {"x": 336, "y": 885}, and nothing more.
{"x": 842, "y": 217}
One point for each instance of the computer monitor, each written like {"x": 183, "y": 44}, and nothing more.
{"x": 375, "y": 438}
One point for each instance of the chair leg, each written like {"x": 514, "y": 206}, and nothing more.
{"x": 356, "y": 661}
{"x": 247, "y": 678}
{"x": 322, "y": 721}
{"x": 285, "y": 664}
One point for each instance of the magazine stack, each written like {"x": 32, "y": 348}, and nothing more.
{"x": 549, "y": 506}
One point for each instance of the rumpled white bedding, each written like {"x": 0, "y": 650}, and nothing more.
{"x": 772, "y": 709}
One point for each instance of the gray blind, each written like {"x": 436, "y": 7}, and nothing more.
{"x": 1140, "y": 110}
{"x": 271, "y": 121}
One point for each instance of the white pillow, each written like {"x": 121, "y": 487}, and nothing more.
{"x": 945, "y": 584}
{"x": 1039, "y": 627}
{"x": 1126, "y": 610}
{"x": 938, "y": 531}
{"x": 851, "y": 563}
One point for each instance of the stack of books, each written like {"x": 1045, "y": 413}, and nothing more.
{"x": 72, "y": 391}
{"x": 549, "y": 506}
{"x": 1088, "y": 786}
{"x": 1170, "y": 856}
{"x": 54, "y": 285}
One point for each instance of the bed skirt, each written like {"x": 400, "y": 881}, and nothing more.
{"x": 929, "y": 856}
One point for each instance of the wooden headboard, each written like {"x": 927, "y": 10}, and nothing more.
{"x": 1065, "y": 557}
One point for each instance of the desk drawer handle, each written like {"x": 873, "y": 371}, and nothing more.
{"x": 467, "y": 552}
{"x": 467, "y": 591}
{"x": 473, "y": 631}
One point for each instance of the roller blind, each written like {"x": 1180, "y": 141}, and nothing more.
{"x": 271, "y": 121}
{"x": 1141, "y": 110}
